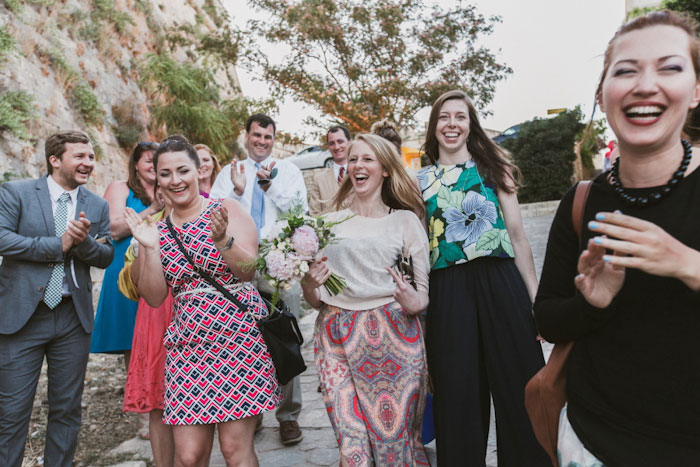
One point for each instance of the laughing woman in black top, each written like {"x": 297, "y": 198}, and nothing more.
{"x": 634, "y": 374}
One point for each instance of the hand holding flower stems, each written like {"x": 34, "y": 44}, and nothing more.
{"x": 288, "y": 252}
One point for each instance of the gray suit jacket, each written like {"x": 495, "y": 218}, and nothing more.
{"x": 30, "y": 249}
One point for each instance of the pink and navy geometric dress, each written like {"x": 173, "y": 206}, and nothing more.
{"x": 217, "y": 368}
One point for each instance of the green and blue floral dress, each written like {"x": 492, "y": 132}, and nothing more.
{"x": 465, "y": 219}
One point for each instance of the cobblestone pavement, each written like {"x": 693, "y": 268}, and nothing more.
{"x": 318, "y": 448}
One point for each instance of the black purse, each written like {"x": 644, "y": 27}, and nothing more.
{"x": 279, "y": 329}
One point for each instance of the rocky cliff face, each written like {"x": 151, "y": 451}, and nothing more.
{"x": 75, "y": 62}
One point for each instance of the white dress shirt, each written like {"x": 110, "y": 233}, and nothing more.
{"x": 286, "y": 189}
{"x": 55, "y": 192}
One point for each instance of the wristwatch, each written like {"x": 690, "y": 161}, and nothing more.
{"x": 228, "y": 245}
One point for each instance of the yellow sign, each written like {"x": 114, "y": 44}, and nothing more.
{"x": 555, "y": 111}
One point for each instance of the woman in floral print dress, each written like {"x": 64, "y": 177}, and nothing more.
{"x": 481, "y": 337}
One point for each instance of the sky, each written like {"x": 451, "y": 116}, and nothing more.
{"x": 555, "y": 48}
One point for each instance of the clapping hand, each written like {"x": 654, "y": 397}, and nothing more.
{"x": 219, "y": 224}
{"x": 317, "y": 275}
{"x": 405, "y": 294}
{"x": 144, "y": 231}
{"x": 238, "y": 177}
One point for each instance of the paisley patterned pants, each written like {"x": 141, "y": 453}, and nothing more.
{"x": 372, "y": 368}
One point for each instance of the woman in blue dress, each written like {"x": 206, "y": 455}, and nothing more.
{"x": 114, "y": 322}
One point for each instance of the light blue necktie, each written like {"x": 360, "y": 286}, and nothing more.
{"x": 54, "y": 289}
{"x": 257, "y": 205}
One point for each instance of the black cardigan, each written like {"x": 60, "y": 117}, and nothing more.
{"x": 633, "y": 378}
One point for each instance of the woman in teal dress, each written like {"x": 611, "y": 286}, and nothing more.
{"x": 114, "y": 321}
{"x": 481, "y": 338}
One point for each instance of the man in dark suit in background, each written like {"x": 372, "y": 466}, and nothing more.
{"x": 51, "y": 231}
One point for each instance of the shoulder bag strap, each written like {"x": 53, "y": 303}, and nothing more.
{"x": 203, "y": 274}
{"x": 580, "y": 197}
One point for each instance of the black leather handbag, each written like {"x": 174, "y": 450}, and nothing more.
{"x": 279, "y": 329}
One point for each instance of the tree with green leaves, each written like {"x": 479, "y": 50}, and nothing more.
{"x": 185, "y": 98}
{"x": 692, "y": 7}
{"x": 360, "y": 61}
{"x": 544, "y": 152}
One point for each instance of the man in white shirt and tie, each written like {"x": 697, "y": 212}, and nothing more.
{"x": 326, "y": 182}
{"x": 268, "y": 187}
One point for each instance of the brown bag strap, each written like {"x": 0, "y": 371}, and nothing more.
{"x": 580, "y": 197}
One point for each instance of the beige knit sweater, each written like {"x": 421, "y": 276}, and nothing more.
{"x": 365, "y": 246}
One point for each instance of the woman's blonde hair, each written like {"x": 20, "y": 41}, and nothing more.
{"x": 399, "y": 191}
{"x": 217, "y": 167}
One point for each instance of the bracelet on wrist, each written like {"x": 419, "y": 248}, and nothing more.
{"x": 228, "y": 245}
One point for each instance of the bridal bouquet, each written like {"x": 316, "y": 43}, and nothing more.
{"x": 291, "y": 246}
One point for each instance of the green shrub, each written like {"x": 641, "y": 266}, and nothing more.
{"x": 106, "y": 10}
{"x": 186, "y": 100}
{"x": 218, "y": 17}
{"x": 144, "y": 6}
{"x": 544, "y": 152}
{"x": 15, "y": 6}
{"x": 97, "y": 147}
{"x": 128, "y": 128}
{"x": 8, "y": 176}
{"x": 16, "y": 111}
{"x": 87, "y": 104}
{"x": 8, "y": 44}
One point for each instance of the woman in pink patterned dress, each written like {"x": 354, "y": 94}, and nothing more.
{"x": 368, "y": 341}
{"x": 218, "y": 370}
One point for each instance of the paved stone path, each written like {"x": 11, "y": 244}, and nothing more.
{"x": 318, "y": 448}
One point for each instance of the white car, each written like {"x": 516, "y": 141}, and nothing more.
{"x": 312, "y": 157}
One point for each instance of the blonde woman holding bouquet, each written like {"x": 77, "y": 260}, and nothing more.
{"x": 369, "y": 347}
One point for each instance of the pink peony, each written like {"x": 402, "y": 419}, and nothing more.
{"x": 279, "y": 266}
{"x": 305, "y": 242}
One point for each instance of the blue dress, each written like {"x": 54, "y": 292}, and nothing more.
{"x": 116, "y": 314}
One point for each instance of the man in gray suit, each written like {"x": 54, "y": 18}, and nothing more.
{"x": 51, "y": 231}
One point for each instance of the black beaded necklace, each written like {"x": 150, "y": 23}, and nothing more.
{"x": 656, "y": 195}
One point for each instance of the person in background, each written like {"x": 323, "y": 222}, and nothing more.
{"x": 368, "y": 343}
{"x": 52, "y": 231}
{"x": 609, "y": 158}
{"x": 325, "y": 182}
{"x": 209, "y": 168}
{"x": 481, "y": 336}
{"x": 631, "y": 299}
{"x": 389, "y": 131}
{"x": 267, "y": 188}
{"x": 116, "y": 314}
{"x": 218, "y": 370}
